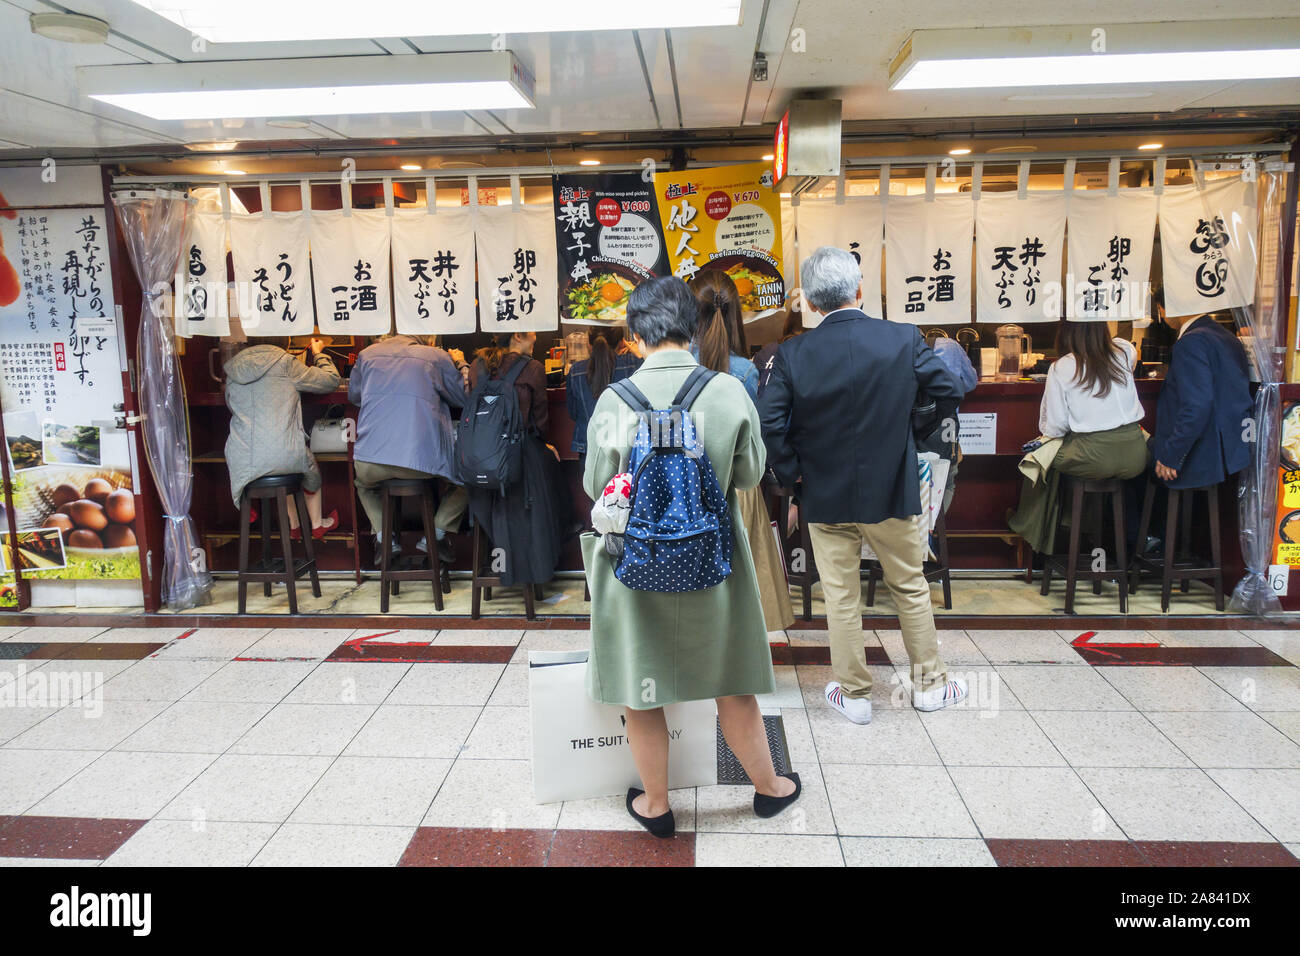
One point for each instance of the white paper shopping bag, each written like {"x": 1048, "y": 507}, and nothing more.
{"x": 580, "y": 747}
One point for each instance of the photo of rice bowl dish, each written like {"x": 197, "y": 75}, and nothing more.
{"x": 601, "y": 297}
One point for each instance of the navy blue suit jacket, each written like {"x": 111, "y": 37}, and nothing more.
{"x": 1201, "y": 416}
{"x": 837, "y": 412}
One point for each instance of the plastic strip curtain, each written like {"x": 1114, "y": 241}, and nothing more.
{"x": 153, "y": 224}
{"x": 1260, "y": 320}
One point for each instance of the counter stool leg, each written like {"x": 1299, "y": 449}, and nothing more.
{"x": 1072, "y": 559}
{"x": 308, "y": 546}
{"x": 267, "y": 561}
{"x": 385, "y": 546}
{"x": 871, "y": 583}
{"x": 530, "y": 609}
{"x": 1144, "y": 526}
{"x": 1171, "y": 543}
{"x": 810, "y": 568}
{"x": 1216, "y": 555}
{"x": 431, "y": 542}
{"x": 476, "y": 562}
{"x": 282, "y": 512}
{"x": 1187, "y": 535}
{"x": 941, "y": 529}
{"x": 245, "y": 509}
{"x": 1121, "y": 550}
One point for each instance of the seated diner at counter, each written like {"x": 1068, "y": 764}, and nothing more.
{"x": 1090, "y": 406}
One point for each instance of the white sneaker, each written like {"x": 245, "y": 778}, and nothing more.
{"x": 856, "y": 709}
{"x": 940, "y": 696}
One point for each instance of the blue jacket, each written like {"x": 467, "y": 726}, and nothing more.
{"x": 581, "y": 402}
{"x": 406, "y": 392}
{"x": 739, "y": 367}
{"x": 1203, "y": 407}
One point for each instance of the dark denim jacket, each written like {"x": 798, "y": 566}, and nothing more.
{"x": 581, "y": 402}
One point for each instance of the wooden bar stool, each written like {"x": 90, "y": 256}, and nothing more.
{"x": 481, "y": 584}
{"x": 1068, "y": 564}
{"x": 805, "y": 578}
{"x": 391, "y": 492}
{"x": 275, "y": 488}
{"x": 934, "y": 570}
{"x": 1169, "y": 566}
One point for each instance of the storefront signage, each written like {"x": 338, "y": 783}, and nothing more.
{"x": 1286, "y": 538}
{"x": 979, "y": 432}
{"x": 272, "y": 274}
{"x": 1019, "y": 249}
{"x": 1207, "y": 246}
{"x": 928, "y": 244}
{"x": 608, "y": 241}
{"x": 517, "y": 291}
{"x": 201, "y": 303}
{"x": 1111, "y": 239}
{"x": 857, "y": 226}
{"x": 433, "y": 271}
{"x": 349, "y": 268}
{"x": 727, "y": 218}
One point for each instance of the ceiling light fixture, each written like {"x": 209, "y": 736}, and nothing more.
{"x": 1187, "y": 51}
{"x": 311, "y": 86}
{"x": 253, "y": 21}
{"x": 589, "y": 162}
{"x": 211, "y": 147}
{"x": 234, "y": 172}
{"x": 411, "y": 167}
{"x": 959, "y": 151}
{"x": 768, "y": 157}
{"x": 69, "y": 27}
{"x": 1151, "y": 146}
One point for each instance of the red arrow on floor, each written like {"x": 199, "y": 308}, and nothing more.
{"x": 1085, "y": 640}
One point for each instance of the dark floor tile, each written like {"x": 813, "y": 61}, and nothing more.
{"x": 1174, "y": 853}
{"x": 95, "y": 652}
{"x": 424, "y": 653}
{"x": 456, "y": 846}
{"x": 620, "y": 848}
{"x": 1181, "y": 656}
{"x": 1065, "y": 853}
{"x": 65, "y": 838}
{"x": 816, "y": 654}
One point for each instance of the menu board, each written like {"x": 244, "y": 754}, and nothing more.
{"x": 1286, "y": 537}
{"x": 608, "y": 241}
{"x": 726, "y": 218}
{"x": 60, "y": 376}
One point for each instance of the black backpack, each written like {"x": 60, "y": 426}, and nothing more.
{"x": 490, "y": 434}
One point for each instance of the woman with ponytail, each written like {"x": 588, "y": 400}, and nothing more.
{"x": 720, "y": 345}
{"x": 589, "y": 377}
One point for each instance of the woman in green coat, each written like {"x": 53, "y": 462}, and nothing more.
{"x": 652, "y": 648}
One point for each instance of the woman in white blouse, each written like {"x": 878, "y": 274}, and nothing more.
{"x": 1091, "y": 404}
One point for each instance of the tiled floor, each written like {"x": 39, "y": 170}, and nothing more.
{"x": 302, "y": 747}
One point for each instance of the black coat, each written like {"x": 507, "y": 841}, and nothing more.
{"x": 837, "y": 412}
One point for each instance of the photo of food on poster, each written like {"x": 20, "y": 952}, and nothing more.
{"x": 60, "y": 377}
{"x": 608, "y": 238}
{"x": 1286, "y": 542}
{"x": 726, "y": 218}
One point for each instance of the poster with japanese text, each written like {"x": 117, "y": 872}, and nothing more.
{"x": 726, "y": 218}
{"x": 1207, "y": 246}
{"x": 1286, "y": 542}
{"x": 60, "y": 378}
{"x": 201, "y": 303}
{"x": 433, "y": 271}
{"x": 928, "y": 259}
{"x": 857, "y": 226}
{"x": 350, "y": 272}
{"x": 517, "y": 289}
{"x": 1019, "y": 251}
{"x": 1108, "y": 266}
{"x": 609, "y": 240}
{"x": 272, "y": 275}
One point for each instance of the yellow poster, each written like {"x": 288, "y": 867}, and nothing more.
{"x": 726, "y": 218}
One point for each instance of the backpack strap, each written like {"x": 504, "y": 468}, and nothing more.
{"x": 634, "y": 397}
{"x": 515, "y": 371}
{"x": 691, "y": 388}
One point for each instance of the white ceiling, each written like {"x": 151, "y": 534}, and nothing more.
{"x": 594, "y": 81}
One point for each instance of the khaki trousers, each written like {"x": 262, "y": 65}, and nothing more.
{"x": 837, "y": 549}
{"x": 453, "y": 501}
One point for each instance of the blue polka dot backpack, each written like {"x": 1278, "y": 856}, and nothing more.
{"x": 678, "y": 535}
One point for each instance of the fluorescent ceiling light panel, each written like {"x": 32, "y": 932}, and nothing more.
{"x": 252, "y": 21}
{"x": 324, "y": 86}
{"x": 1191, "y": 51}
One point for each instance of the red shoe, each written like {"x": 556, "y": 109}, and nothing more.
{"x": 327, "y": 525}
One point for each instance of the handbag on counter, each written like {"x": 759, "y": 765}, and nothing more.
{"x": 329, "y": 436}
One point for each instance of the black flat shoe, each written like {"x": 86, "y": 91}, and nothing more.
{"x": 662, "y": 826}
{"x": 766, "y": 806}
